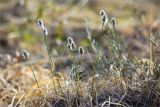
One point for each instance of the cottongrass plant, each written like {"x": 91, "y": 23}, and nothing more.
{"x": 108, "y": 90}
{"x": 45, "y": 37}
{"x": 26, "y": 55}
{"x": 76, "y": 69}
{"x": 104, "y": 18}
{"x": 92, "y": 42}
{"x": 113, "y": 40}
{"x": 72, "y": 48}
{"x": 45, "y": 32}
{"x": 99, "y": 90}
{"x": 81, "y": 52}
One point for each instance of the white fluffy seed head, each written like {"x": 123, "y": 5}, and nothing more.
{"x": 104, "y": 17}
{"x": 45, "y": 31}
{"x": 73, "y": 46}
{"x": 102, "y": 12}
{"x": 25, "y": 54}
{"x": 113, "y": 20}
{"x": 81, "y": 50}
{"x": 40, "y": 23}
{"x": 70, "y": 40}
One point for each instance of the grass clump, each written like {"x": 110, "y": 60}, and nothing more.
{"x": 118, "y": 81}
{"x": 114, "y": 80}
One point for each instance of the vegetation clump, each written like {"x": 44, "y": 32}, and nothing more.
{"x": 98, "y": 75}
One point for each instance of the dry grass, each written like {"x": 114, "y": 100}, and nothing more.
{"x": 118, "y": 81}
{"x": 108, "y": 90}
{"x": 107, "y": 77}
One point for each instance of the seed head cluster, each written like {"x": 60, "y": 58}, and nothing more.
{"x": 81, "y": 50}
{"x": 71, "y": 44}
{"x": 45, "y": 31}
{"x": 25, "y": 54}
{"x": 113, "y": 20}
{"x": 102, "y": 12}
{"x": 40, "y": 23}
{"x": 104, "y": 17}
{"x": 42, "y": 27}
{"x": 70, "y": 40}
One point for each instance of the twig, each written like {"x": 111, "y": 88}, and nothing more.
{"x": 109, "y": 102}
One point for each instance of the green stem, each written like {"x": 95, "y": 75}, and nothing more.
{"x": 51, "y": 61}
{"x": 60, "y": 85}
{"x": 49, "y": 54}
{"x": 94, "y": 72}
{"x": 33, "y": 72}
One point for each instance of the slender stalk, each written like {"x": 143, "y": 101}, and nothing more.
{"x": 68, "y": 95}
{"x": 49, "y": 54}
{"x": 75, "y": 64}
{"x": 150, "y": 55}
{"x": 51, "y": 62}
{"x": 33, "y": 72}
{"x": 94, "y": 72}
{"x": 59, "y": 85}
{"x": 76, "y": 76}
